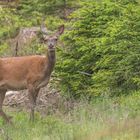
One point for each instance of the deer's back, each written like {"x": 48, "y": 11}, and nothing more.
{"x": 15, "y": 71}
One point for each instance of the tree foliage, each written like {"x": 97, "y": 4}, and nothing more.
{"x": 60, "y": 8}
{"x": 102, "y": 49}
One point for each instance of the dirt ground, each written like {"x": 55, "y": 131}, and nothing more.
{"x": 49, "y": 101}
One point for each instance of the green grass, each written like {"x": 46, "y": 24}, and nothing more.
{"x": 101, "y": 119}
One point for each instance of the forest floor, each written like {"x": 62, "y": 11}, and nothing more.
{"x": 57, "y": 118}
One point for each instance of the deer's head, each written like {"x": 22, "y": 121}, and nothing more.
{"x": 51, "y": 40}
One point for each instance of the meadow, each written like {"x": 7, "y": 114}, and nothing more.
{"x": 97, "y": 68}
{"x": 104, "y": 118}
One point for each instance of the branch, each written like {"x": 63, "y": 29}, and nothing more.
{"x": 85, "y": 73}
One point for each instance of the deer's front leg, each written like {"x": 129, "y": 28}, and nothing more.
{"x": 2, "y": 114}
{"x": 33, "y": 93}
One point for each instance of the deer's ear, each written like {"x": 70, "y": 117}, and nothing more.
{"x": 60, "y": 30}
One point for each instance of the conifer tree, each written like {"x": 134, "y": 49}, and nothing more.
{"x": 103, "y": 49}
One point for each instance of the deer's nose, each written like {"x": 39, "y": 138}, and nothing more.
{"x": 51, "y": 46}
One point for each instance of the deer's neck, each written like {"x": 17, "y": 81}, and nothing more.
{"x": 51, "y": 61}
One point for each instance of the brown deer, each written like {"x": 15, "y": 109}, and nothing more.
{"x": 28, "y": 72}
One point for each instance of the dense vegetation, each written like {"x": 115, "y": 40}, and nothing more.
{"x": 98, "y": 58}
{"x": 101, "y": 119}
{"x": 103, "y": 49}
{"x": 101, "y": 42}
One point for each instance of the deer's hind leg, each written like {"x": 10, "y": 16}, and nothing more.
{"x": 2, "y": 114}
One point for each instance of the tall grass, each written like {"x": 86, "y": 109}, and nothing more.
{"x": 101, "y": 119}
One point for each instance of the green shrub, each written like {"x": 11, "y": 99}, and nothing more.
{"x": 102, "y": 49}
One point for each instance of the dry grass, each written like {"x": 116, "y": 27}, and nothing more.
{"x": 101, "y": 119}
{"x": 127, "y": 130}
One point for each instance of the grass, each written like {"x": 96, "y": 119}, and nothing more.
{"x": 101, "y": 119}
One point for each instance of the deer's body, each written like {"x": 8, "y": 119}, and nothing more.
{"x": 18, "y": 72}
{"x": 28, "y": 72}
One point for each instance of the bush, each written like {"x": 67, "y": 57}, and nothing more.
{"x": 102, "y": 50}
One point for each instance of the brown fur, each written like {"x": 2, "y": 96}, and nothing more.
{"x": 27, "y": 72}
{"x": 20, "y": 71}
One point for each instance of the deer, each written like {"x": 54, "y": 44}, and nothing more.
{"x": 29, "y": 72}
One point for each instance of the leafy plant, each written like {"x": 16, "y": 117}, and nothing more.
{"x": 102, "y": 49}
